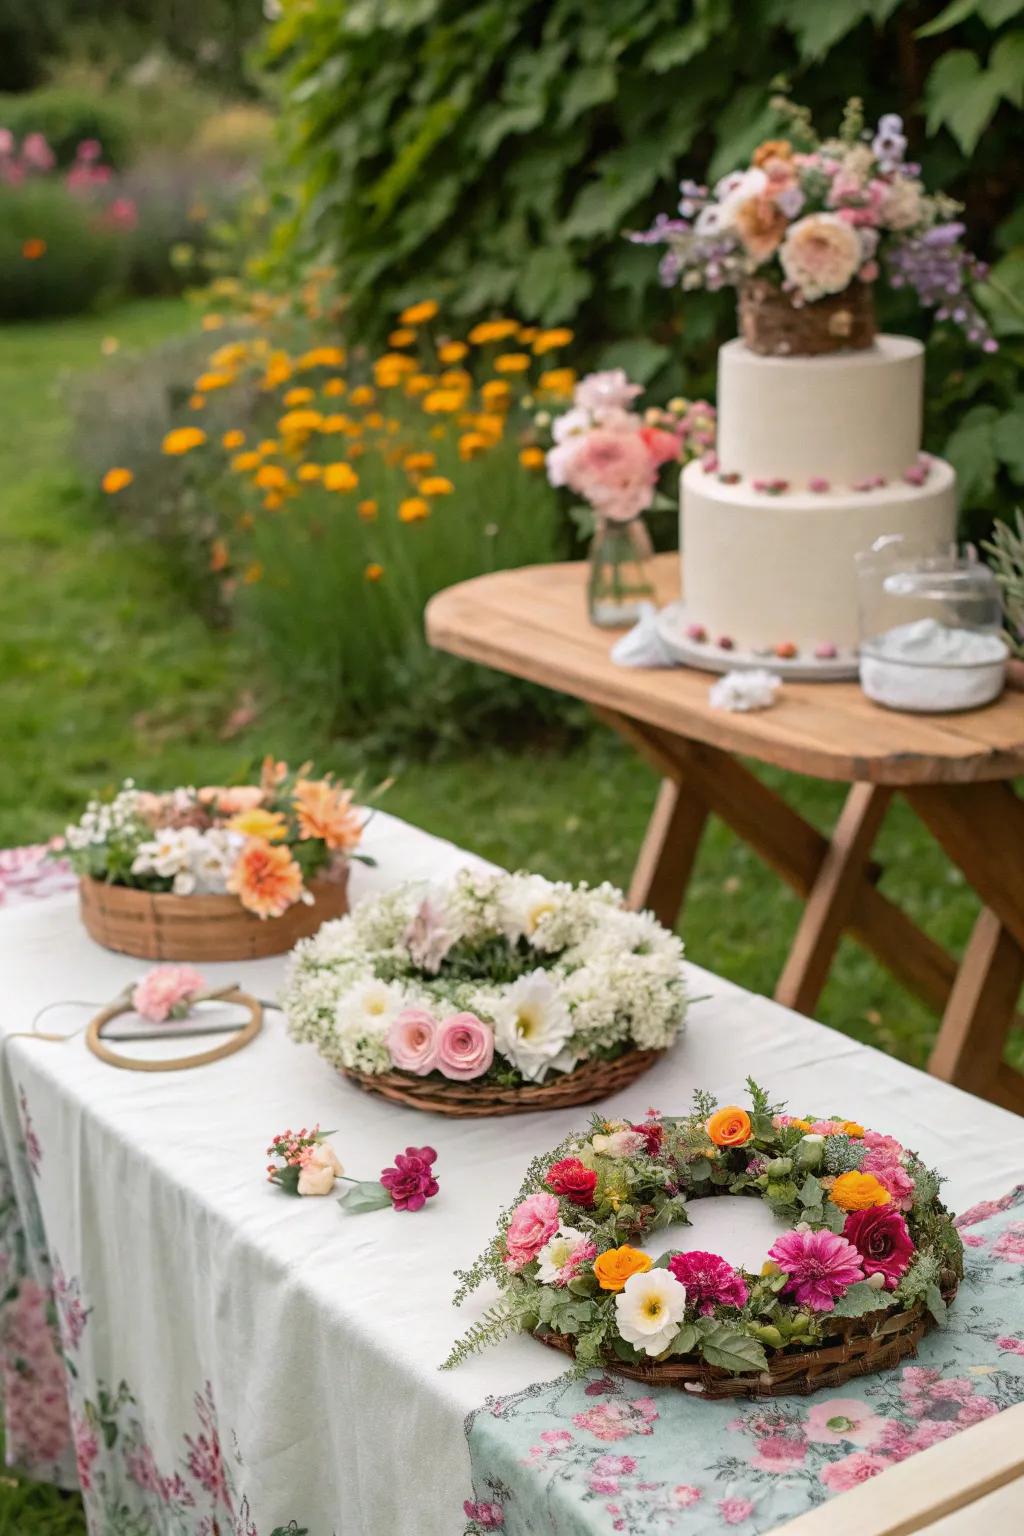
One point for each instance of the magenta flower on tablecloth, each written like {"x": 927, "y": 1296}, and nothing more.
{"x": 411, "y": 1182}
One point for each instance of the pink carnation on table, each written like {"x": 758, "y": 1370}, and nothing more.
{"x": 412, "y": 1041}
{"x": 613, "y": 471}
{"x": 465, "y": 1047}
{"x": 167, "y": 992}
{"x": 411, "y": 1182}
{"x": 533, "y": 1221}
{"x": 821, "y": 1267}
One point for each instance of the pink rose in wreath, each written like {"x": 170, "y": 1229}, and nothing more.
{"x": 167, "y": 992}
{"x": 533, "y": 1222}
{"x": 881, "y": 1237}
{"x": 465, "y": 1047}
{"x": 412, "y": 1041}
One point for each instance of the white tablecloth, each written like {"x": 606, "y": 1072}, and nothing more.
{"x": 313, "y": 1337}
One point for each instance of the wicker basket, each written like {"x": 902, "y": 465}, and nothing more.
{"x": 156, "y": 925}
{"x": 875, "y": 1342}
{"x": 771, "y": 324}
{"x": 593, "y": 1080}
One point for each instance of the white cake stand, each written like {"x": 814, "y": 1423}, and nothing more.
{"x": 709, "y": 657}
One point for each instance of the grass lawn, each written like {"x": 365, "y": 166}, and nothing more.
{"x": 103, "y": 672}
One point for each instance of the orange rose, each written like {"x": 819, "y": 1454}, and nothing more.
{"x": 858, "y": 1192}
{"x": 614, "y": 1268}
{"x": 729, "y": 1127}
{"x": 851, "y": 1128}
{"x": 773, "y": 149}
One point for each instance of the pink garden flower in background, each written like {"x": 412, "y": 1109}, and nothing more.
{"x": 710, "y": 1282}
{"x": 821, "y": 1266}
{"x": 167, "y": 992}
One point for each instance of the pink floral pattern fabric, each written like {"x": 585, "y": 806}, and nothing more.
{"x": 599, "y": 1456}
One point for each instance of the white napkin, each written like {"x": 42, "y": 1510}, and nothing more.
{"x": 643, "y": 645}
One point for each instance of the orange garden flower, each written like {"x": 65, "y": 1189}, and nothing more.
{"x": 527, "y": 334}
{"x": 340, "y": 477}
{"x": 220, "y": 557}
{"x": 301, "y": 395}
{"x": 472, "y": 445}
{"x": 557, "y": 381}
{"x": 271, "y": 477}
{"x": 436, "y": 485}
{"x": 116, "y": 480}
{"x": 495, "y": 392}
{"x": 414, "y": 461}
{"x": 335, "y": 387}
{"x": 299, "y": 423}
{"x": 266, "y": 879}
{"x": 273, "y": 501}
{"x": 232, "y": 439}
{"x": 362, "y": 395}
{"x": 395, "y": 362}
{"x": 403, "y": 337}
{"x": 492, "y": 330}
{"x": 418, "y": 314}
{"x": 548, "y": 341}
{"x": 452, "y": 351}
{"x": 373, "y": 571}
{"x": 325, "y": 810}
{"x": 33, "y": 248}
{"x": 491, "y": 426}
{"x": 242, "y": 463}
{"x": 512, "y": 362}
{"x": 183, "y": 440}
{"x": 456, "y": 378}
{"x": 413, "y": 509}
{"x": 196, "y": 402}
{"x": 729, "y": 1127}
{"x": 213, "y": 322}
{"x": 272, "y": 826}
{"x": 419, "y": 384}
{"x": 367, "y": 510}
{"x": 337, "y": 422}
{"x": 322, "y": 357}
{"x": 207, "y": 382}
{"x": 268, "y": 446}
{"x": 253, "y": 573}
{"x": 443, "y": 401}
{"x": 858, "y": 1192}
{"x": 613, "y": 1267}
{"x": 531, "y": 458}
{"x": 309, "y": 472}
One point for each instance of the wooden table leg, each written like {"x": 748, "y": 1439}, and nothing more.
{"x": 832, "y": 898}
{"x": 981, "y": 1009}
{"x": 669, "y": 848}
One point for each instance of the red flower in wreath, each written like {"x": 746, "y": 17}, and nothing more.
{"x": 573, "y": 1181}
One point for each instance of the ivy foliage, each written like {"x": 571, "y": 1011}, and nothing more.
{"x": 490, "y": 153}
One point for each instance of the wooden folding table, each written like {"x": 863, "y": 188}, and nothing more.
{"x": 955, "y": 771}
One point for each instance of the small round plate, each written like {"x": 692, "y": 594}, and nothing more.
{"x": 709, "y": 657}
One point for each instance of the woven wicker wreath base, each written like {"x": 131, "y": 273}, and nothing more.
{"x": 771, "y": 324}
{"x": 876, "y": 1342}
{"x": 156, "y": 925}
{"x": 593, "y": 1080}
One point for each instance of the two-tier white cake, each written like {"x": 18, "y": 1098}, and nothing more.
{"x": 817, "y": 458}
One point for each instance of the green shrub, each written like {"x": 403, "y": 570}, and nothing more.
{"x": 65, "y": 117}
{"x": 56, "y": 255}
{"x": 491, "y": 155}
{"x": 182, "y": 205}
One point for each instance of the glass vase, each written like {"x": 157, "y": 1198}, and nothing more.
{"x": 620, "y": 577}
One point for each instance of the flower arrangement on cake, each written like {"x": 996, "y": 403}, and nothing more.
{"x": 199, "y": 873}
{"x": 495, "y": 994}
{"x": 870, "y": 1261}
{"x": 807, "y": 228}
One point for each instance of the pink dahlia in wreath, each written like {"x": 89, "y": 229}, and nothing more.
{"x": 710, "y": 1282}
{"x": 411, "y": 1182}
{"x": 821, "y": 1267}
{"x": 881, "y": 1237}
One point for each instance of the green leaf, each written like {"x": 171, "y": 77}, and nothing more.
{"x": 1003, "y": 294}
{"x": 1006, "y": 67}
{"x": 685, "y": 1340}
{"x": 810, "y": 1191}
{"x": 819, "y": 26}
{"x": 995, "y": 12}
{"x": 587, "y": 87}
{"x": 733, "y": 1351}
{"x": 367, "y": 1196}
{"x": 1008, "y": 441}
{"x": 700, "y": 1168}
{"x": 935, "y": 1304}
{"x": 972, "y": 452}
{"x": 962, "y": 97}
{"x": 741, "y": 126}
{"x": 860, "y": 1299}
{"x": 641, "y": 358}
{"x": 835, "y": 1216}
{"x": 552, "y": 285}
{"x": 956, "y": 11}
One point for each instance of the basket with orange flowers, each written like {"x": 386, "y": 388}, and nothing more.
{"x": 224, "y": 872}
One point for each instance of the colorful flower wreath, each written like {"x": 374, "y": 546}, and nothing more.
{"x": 869, "y": 1236}
{"x": 507, "y": 979}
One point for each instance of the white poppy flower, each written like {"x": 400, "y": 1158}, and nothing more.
{"x": 532, "y": 1024}
{"x": 649, "y": 1309}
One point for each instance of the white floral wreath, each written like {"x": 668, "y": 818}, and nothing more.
{"x": 504, "y": 977}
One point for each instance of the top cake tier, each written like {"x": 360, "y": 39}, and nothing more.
{"x": 846, "y": 417}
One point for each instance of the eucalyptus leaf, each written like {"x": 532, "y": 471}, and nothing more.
{"x": 370, "y": 1195}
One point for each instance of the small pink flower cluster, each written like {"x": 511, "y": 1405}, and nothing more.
{"x": 87, "y": 176}
{"x": 460, "y": 1047}
{"x": 167, "y": 992}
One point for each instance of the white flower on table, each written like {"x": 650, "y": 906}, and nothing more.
{"x": 649, "y": 1309}
{"x": 742, "y": 691}
{"x": 319, "y": 1170}
{"x": 532, "y": 1025}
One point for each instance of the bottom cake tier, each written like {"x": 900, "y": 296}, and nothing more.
{"x": 773, "y": 570}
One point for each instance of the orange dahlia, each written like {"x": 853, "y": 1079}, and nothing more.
{"x": 266, "y": 879}
{"x": 326, "y": 811}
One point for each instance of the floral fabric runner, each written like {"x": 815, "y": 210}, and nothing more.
{"x": 600, "y": 1455}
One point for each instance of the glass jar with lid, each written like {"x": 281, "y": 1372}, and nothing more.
{"x": 930, "y": 627}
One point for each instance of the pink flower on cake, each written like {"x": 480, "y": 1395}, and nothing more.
{"x": 465, "y": 1047}
{"x": 412, "y": 1041}
{"x": 710, "y": 1282}
{"x": 533, "y": 1222}
{"x": 821, "y": 1267}
{"x": 843, "y": 1475}
{"x": 167, "y": 992}
{"x": 820, "y": 255}
{"x": 843, "y": 1419}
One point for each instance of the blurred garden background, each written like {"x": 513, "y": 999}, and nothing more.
{"x": 282, "y": 292}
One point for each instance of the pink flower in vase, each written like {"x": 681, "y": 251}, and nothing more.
{"x": 821, "y": 1267}
{"x": 412, "y": 1041}
{"x": 465, "y": 1047}
{"x": 614, "y": 472}
{"x": 663, "y": 447}
{"x": 167, "y": 992}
